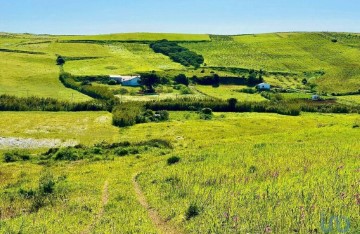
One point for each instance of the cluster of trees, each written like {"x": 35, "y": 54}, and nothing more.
{"x": 12, "y": 103}
{"x": 97, "y": 92}
{"x": 177, "y": 53}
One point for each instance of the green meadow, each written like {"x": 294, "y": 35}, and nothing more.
{"x": 195, "y": 171}
{"x": 241, "y": 173}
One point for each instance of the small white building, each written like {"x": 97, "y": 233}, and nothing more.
{"x": 263, "y": 86}
{"x": 127, "y": 80}
{"x": 315, "y": 97}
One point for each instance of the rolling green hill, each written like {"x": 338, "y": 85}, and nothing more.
{"x": 28, "y": 66}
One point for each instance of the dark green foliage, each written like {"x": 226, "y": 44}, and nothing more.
{"x": 15, "y": 156}
{"x": 206, "y": 114}
{"x": 255, "y": 77}
{"x": 27, "y": 194}
{"x": 97, "y": 92}
{"x": 46, "y": 183}
{"x": 177, "y": 53}
{"x": 20, "y": 51}
{"x": 12, "y": 103}
{"x": 252, "y": 169}
{"x": 112, "y": 82}
{"x": 192, "y": 211}
{"x": 232, "y": 103}
{"x": 182, "y": 79}
{"x": 247, "y": 90}
{"x": 213, "y": 80}
{"x": 67, "y": 154}
{"x": 60, "y": 61}
{"x": 149, "y": 80}
{"x": 121, "y": 152}
{"x": 334, "y": 40}
{"x": 172, "y": 160}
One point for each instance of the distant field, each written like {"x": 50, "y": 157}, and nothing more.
{"x": 122, "y": 59}
{"x": 351, "y": 99}
{"x": 290, "y": 52}
{"x": 141, "y": 37}
{"x": 33, "y": 75}
{"x": 225, "y": 92}
{"x": 82, "y": 127}
{"x": 286, "y": 52}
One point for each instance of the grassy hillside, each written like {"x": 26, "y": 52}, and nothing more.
{"x": 82, "y": 127}
{"x": 332, "y": 66}
{"x": 290, "y": 52}
{"x": 241, "y": 173}
{"x": 141, "y": 37}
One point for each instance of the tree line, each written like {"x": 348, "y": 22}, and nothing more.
{"x": 177, "y": 53}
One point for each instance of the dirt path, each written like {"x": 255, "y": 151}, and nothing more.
{"x": 159, "y": 223}
{"x": 100, "y": 214}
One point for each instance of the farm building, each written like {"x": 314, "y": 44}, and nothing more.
{"x": 126, "y": 80}
{"x": 315, "y": 97}
{"x": 263, "y": 86}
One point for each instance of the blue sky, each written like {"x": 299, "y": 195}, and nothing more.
{"x": 183, "y": 16}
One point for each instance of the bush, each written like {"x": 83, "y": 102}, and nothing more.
{"x": 192, "y": 211}
{"x": 67, "y": 154}
{"x": 182, "y": 79}
{"x": 172, "y": 160}
{"x": 15, "y": 156}
{"x": 112, "y": 82}
{"x": 46, "y": 183}
{"x": 121, "y": 152}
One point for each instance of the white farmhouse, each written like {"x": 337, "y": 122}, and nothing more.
{"x": 127, "y": 80}
{"x": 263, "y": 86}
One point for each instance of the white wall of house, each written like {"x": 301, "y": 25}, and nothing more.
{"x": 132, "y": 82}
{"x": 264, "y": 86}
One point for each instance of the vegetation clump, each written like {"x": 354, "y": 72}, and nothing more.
{"x": 172, "y": 160}
{"x": 177, "y": 53}
{"x": 192, "y": 211}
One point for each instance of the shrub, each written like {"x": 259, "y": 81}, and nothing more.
{"x": 112, "y": 82}
{"x": 172, "y": 160}
{"x": 9, "y": 157}
{"x": 46, "y": 183}
{"x": 15, "y": 156}
{"x": 192, "y": 211}
{"x": 182, "y": 79}
{"x": 67, "y": 154}
{"x": 121, "y": 152}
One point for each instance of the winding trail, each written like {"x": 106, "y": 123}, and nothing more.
{"x": 161, "y": 225}
{"x": 100, "y": 214}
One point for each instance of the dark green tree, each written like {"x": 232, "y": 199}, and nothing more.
{"x": 149, "y": 81}
{"x": 182, "y": 79}
{"x": 232, "y": 103}
{"x": 60, "y": 61}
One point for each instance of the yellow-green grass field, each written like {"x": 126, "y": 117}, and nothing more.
{"x": 81, "y": 127}
{"x": 226, "y": 92}
{"x": 243, "y": 173}
{"x": 290, "y": 52}
{"x": 350, "y": 99}
{"x": 141, "y": 37}
{"x": 33, "y": 75}
{"x": 122, "y": 58}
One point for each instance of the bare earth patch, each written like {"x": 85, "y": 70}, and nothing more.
{"x": 30, "y": 143}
